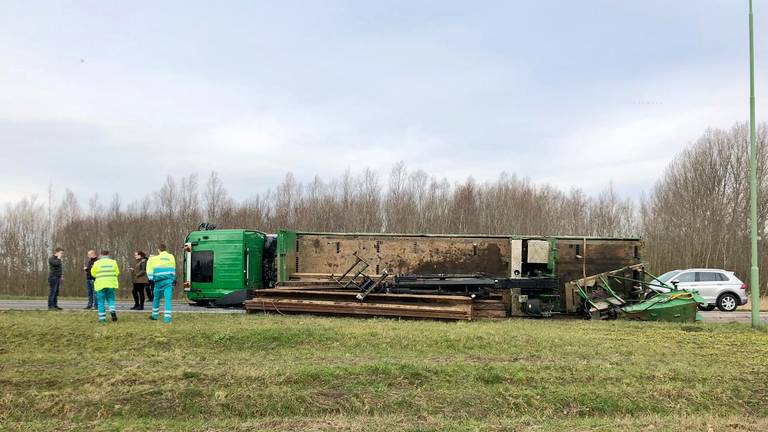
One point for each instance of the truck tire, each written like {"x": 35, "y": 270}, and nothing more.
{"x": 727, "y": 302}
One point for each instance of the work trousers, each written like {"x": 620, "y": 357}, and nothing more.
{"x": 149, "y": 287}
{"x": 164, "y": 291}
{"x": 91, "y": 293}
{"x": 138, "y": 294}
{"x": 105, "y": 295}
{"x": 54, "y": 282}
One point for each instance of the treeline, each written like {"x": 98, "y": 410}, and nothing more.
{"x": 698, "y": 213}
{"x": 695, "y": 216}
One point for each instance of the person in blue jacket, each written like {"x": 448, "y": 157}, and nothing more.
{"x": 161, "y": 270}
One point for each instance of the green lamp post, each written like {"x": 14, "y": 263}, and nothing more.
{"x": 754, "y": 281}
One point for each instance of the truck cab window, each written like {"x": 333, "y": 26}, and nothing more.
{"x": 202, "y": 266}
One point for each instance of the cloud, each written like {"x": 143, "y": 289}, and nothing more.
{"x": 457, "y": 91}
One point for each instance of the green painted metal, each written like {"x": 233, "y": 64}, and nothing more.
{"x": 286, "y": 254}
{"x": 254, "y": 253}
{"x": 492, "y": 236}
{"x": 237, "y": 262}
{"x": 675, "y": 306}
{"x": 552, "y": 262}
{"x": 754, "y": 281}
{"x": 643, "y": 282}
{"x": 607, "y": 286}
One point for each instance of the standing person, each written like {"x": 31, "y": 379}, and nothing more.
{"x": 89, "y": 279}
{"x": 55, "y": 276}
{"x": 140, "y": 280}
{"x": 161, "y": 270}
{"x": 106, "y": 271}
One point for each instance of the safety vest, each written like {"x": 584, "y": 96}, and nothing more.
{"x": 161, "y": 268}
{"x": 106, "y": 271}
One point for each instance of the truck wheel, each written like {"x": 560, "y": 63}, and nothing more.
{"x": 707, "y": 308}
{"x": 727, "y": 302}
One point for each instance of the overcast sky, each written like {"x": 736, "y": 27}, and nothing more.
{"x": 105, "y": 97}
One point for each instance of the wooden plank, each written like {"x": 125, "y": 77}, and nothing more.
{"x": 330, "y": 287}
{"x": 515, "y": 308}
{"x": 487, "y": 314}
{"x": 454, "y": 312}
{"x": 325, "y": 276}
{"x": 570, "y": 297}
{"x": 349, "y": 295}
{"x": 358, "y": 305}
{"x": 307, "y": 282}
{"x": 489, "y": 305}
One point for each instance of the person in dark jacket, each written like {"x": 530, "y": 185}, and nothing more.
{"x": 55, "y": 276}
{"x": 140, "y": 280}
{"x": 92, "y": 257}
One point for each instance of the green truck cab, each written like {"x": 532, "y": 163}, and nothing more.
{"x": 222, "y": 267}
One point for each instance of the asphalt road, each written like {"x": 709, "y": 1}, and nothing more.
{"x": 737, "y": 316}
{"x": 122, "y": 306}
{"x": 125, "y": 306}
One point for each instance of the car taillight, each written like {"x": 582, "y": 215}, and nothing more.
{"x": 744, "y": 286}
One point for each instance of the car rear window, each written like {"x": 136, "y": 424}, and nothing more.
{"x": 708, "y": 277}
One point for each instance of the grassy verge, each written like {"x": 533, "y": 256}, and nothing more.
{"x": 747, "y": 307}
{"x": 23, "y": 297}
{"x": 235, "y": 372}
{"x": 763, "y": 305}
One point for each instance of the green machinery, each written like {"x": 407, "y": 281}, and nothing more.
{"x": 598, "y": 300}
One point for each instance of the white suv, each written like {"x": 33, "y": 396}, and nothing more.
{"x": 720, "y": 288}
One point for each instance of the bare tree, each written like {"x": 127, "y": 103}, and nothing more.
{"x": 696, "y": 215}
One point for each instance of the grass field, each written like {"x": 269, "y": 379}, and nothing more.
{"x": 747, "y": 307}
{"x": 233, "y": 372}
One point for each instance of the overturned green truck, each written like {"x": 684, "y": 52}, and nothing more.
{"x": 228, "y": 267}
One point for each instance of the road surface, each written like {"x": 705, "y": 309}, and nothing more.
{"x": 125, "y": 307}
{"x": 122, "y": 306}
{"x": 737, "y": 316}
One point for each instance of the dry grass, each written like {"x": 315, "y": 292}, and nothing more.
{"x": 763, "y": 305}
{"x": 213, "y": 372}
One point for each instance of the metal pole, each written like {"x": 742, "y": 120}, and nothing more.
{"x": 754, "y": 282}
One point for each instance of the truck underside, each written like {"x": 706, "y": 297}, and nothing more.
{"x": 465, "y": 276}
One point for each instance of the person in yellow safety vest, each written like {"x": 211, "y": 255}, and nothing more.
{"x": 161, "y": 271}
{"x": 106, "y": 271}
